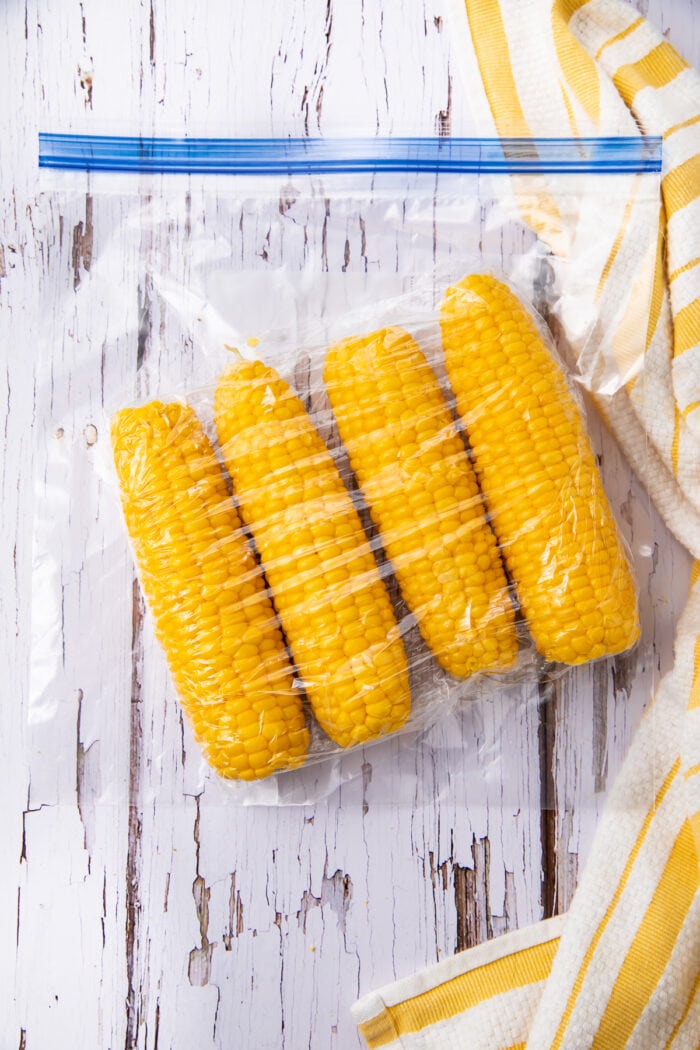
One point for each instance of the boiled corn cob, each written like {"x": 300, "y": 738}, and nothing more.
{"x": 333, "y": 605}
{"x": 206, "y": 592}
{"x": 538, "y": 475}
{"x": 423, "y": 496}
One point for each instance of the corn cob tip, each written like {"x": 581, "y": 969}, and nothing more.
{"x": 152, "y": 414}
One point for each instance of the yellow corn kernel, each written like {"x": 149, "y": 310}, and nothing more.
{"x": 423, "y": 496}
{"x": 306, "y": 529}
{"x": 225, "y": 652}
{"x": 538, "y": 475}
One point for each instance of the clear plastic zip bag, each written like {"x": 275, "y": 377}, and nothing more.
{"x": 328, "y": 531}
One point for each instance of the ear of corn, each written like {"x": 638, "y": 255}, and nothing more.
{"x": 205, "y": 590}
{"x": 538, "y": 475}
{"x": 333, "y": 605}
{"x": 423, "y": 496}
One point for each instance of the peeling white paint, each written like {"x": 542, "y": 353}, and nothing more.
{"x": 135, "y": 910}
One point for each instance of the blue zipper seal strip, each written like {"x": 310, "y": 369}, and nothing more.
{"x": 344, "y": 156}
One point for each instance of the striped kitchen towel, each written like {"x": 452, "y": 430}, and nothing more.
{"x": 622, "y": 968}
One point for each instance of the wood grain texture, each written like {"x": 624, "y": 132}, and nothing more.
{"x": 137, "y": 908}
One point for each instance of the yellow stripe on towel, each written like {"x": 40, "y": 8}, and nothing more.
{"x": 679, "y": 1023}
{"x": 676, "y": 441}
{"x": 683, "y": 269}
{"x": 657, "y": 294}
{"x": 681, "y": 185}
{"x": 622, "y": 35}
{"x": 658, "y": 68}
{"x": 528, "y": 966}
{"x": 694, "y": 701}
{"x": 578, "y": 68}
{"x": 679, "y": 127}
{"x": 686, "y": 328}
{"x": 615, "y": 248}
{"x": 493, "y": 56}
{"x": 653, "y": 943}
{"x": 634, "y": 852}
{"x": 379, "y": 1031}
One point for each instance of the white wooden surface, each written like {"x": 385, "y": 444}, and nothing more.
{"x": 137, "y": 910}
